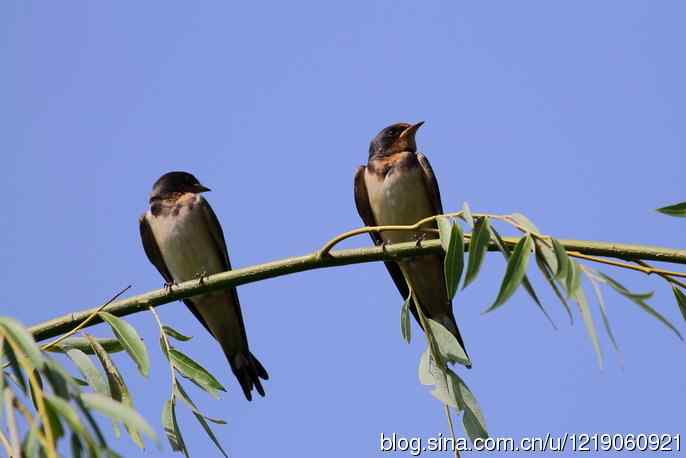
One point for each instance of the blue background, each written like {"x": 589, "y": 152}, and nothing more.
{"x": 570, "y": 112}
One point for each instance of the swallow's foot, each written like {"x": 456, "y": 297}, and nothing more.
{"x": 419, "y": 238}
{"x": 201, "y": 277}
{"x": 168, "y": 286}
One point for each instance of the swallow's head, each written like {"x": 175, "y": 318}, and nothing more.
{"x": 395, "y": 138}
{"x": 176, "y": 183}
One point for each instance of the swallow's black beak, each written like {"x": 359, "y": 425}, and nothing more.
{"x": 200, "y": 188}
{"x": 412, "y": 130}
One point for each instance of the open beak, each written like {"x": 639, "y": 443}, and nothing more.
{"x": 200, "y": 188}
{"x": 412, "y": 130}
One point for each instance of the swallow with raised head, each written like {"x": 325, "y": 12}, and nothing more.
{"x": 398, "y": 187}
{"x": 183, "y": 239}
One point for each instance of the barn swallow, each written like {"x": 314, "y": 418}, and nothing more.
{"x": 184, "y": 240}
{"x": 398, "y": 187}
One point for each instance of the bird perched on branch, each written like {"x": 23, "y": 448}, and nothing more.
{"x": 184, "y": 240}
{"x": 398, "y": 187}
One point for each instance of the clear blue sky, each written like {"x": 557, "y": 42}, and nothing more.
{"x": 570, "y": 112}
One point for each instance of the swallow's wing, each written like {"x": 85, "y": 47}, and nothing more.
{"x": 215, "y": 229}
{"x": 364, "y": 208}
{"x": 152, "y": 250}
{"x": 431, "y": 184}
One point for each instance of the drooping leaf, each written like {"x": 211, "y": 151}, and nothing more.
{"x": 109, "y": 344}
{"x": 603, "y": 311}
{"x": 128, "y": 336}
{"x": 680, "y": 300}
{"x": 18, "y": 374}
{"x": 640, "y": 299}
{"x": 444, "y": 227}
{"x": 173, "y": 333}
{"x": 118, "y": 388}
{"x": 66, "y": 412}
{"x": 181, "y": 394}
{"x": 467, "y": 215}
{"x": 405, "y": 329}
{"x": 195, "y": 373}
{"x": 674, "y": 210}
{"x": 60, "y": 380}
{"x": 76, "y": 446}
{"x": 450, "y": 348}
{"x": 453, "y": 263}
{"x": 562, "y": 260}
{"x": 89, "y": 371}
{"x": 547, "y": 253}
{"x": 525, "y": 223}
{"x": 23, "y": 340}
{"x": 549, "y": 276}
{"x": 54, "y": 419}
{"x": 203, "y": 423}
{"x": 477, "y": 249}
{"x": 573, "y": 281}
{"x": 31, "y": 447}
{"x": 474, "y": 421}
{"x": 516, "y": 269}
{"x": 425, "y": 370}
{"x": 171, "y": 427}
{"x": 581, "y": 300}
{"x": 118, "y": 411}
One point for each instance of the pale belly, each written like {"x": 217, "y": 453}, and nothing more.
{"x": 398, "y": 199}
{"x": 187, "y": 245}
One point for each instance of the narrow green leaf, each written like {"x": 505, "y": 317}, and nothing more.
{"x": 425, "y": 370}
{"x": 31, "y": 447}
{"x": 405, "y": 329}
{"x": 474, "y": 421}
{"x": 171, "y": 427}
{"x": 547, "y": 253}
{"x": 580, "y": 298}
{"x": 181, "y": 393}
{"x": 639, "y": 299}
{"x": 173, "y": 333}
{"x": 118, "y": 389}
{"x": 562, "y": 260}
{"x": 500, "y": 244}
{"x": 203, "y": 423}
{"x": 55, "y": 422}
{"x": 110, "y": 345}
{"x": 89, "y": 371}
{"x": 573, "y": 281}
{"x": 444, "y": 227}
{"x": 60, "y": 380}
{"x": 23, "y": 340}
{"x": 477, "y": 249}
{"x": 118, "y": 411}
{"x": 674, "y": 210}
{"x": 76, "y": 446}
{"x": 128, "y": 336}
{"x": 450, "y": 348}
{"x": 195, "y": 373}
{"x": 525, "y": 222}
{"x": 453, "y": 262}
{"x": 467, "y": 214}
{"x": 549, "y": 276}
{"x": 603, "y": 311}
{"x": 516, "y": 269}
{"x": 680, "y": 300}
{"x": 70, "y": 416}
{"x": 14, "y": 366}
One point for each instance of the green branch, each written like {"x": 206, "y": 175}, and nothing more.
{"x": 223, "y": 280}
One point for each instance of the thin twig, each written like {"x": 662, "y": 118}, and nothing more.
{"x": 84, "y": 322}
{"x": 624, "y": 265}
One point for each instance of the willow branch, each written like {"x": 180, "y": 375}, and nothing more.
{"x": 224, "y": 280}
